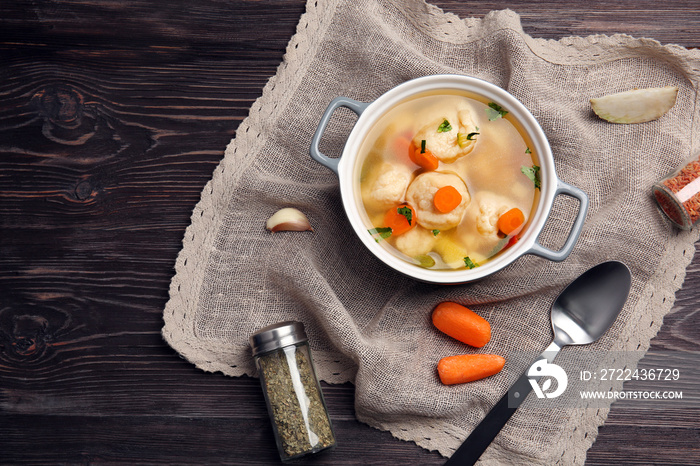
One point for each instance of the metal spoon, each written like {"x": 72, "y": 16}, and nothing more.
{"x": 580, "y": 315}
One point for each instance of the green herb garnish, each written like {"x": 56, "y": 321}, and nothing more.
{"x": 406, "y": 212}
{"x": 436, "y": 232}
{"x": 469, "y": 263}
{"x": 470, "y": 136}
{"x": 533, "y": 173}
{"x": 383, "y": 233}
{"x": 422, "y": 146}
{"x": 528, "y": 151}
{"x": 444, "y": 127}
{"x": 495, "y": 111}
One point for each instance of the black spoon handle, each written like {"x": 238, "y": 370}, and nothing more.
{"x": 489, "y": 427}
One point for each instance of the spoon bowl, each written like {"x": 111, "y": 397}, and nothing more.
{"x": 587, "y": 308}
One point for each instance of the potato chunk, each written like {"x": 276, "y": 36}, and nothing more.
{"x": 451, "y": 252}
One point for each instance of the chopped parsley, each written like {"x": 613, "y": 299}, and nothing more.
{"x": 383, "y": 233}
{"x": 422, "y": 146}
{"x": 470, "y": 136}
{"x": 444, "y": 127}
{"x": 469, "y": 263}
{"x": 533, "y": 173}
{"x": 406, "y": 212}
{"x": 436, "y": 232}
{"x": 495, "y": 111}
{"x": 528, "y": 151}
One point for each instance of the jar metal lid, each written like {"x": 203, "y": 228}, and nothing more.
{"x": 277, "y": 336}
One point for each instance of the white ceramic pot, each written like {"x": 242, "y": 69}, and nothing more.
{"x": 346, "y": 167}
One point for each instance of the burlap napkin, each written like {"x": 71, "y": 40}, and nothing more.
{"x": 370, "y": 325}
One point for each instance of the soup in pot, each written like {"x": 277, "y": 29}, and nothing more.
{"x": 447, "y": 181}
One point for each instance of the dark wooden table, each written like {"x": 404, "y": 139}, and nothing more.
{"x": 113, "y": 116}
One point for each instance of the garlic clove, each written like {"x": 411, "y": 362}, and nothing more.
{"x": 635, "y": 106}
{"x": 288, "y": 219}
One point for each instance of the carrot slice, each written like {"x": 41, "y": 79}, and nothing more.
{"x": 424, "y": 158}
{"x": 510, "y": 221}
{"x": 447, "y": 199}
{"x": 400, "y": 219}
{"x": 469, "y": 367}
{"x": 461, "y": 323}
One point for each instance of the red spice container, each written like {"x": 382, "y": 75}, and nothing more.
{"x": 678, "y": 194}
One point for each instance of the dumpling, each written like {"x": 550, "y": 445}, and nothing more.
{"x": 416, "y": 241}
{"x": 390, "y": 186}
{"x": 480, "y": 226}
{"x": 420, "y": 194}
{"x": 490, "y": 210}
{"x": 440, "y": 134}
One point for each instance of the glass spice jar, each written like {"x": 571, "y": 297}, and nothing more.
{"x": 678, "y": 194}
{"x": 292, "y": 393}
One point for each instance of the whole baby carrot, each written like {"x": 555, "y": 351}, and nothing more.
{"x": 468, "y": 367}
{"x": 462, "y": 324}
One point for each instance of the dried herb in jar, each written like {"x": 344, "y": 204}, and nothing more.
{"x": 292, "y": 393}
{"x": 297, "y": 408}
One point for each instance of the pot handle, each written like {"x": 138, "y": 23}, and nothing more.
{"x": 558, "y": 256}
{"x": 316, "y": 154}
